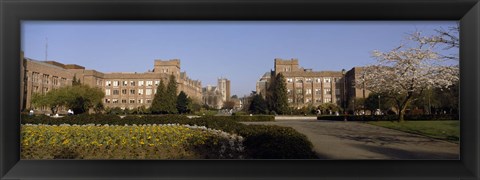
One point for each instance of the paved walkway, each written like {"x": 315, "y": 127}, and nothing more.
{"x": 356, "y": 140}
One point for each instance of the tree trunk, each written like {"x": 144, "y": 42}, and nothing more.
{"x": 402, "y": 107}
{"x": 401, "y": 114}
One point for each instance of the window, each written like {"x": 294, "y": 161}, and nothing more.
{"x": 99, "y": 82}
{"x": 46, "y": 78}
{"x": 328, "y": 91}
{"x": 328, "y": 100}
{"x": 309, "y": 80}
{"x": 289, "y": 91}
{"x": 107, "y": 92}
{"x": 132, "y": 101}
{"x": 290, "y": 100}
{"x": 327, "y": 80}
{"x": 108, "y": 83}
{"x": 115, "y": 92}
{"x": 299, "y": 91}
{"x": 140, "y": 83}
{"x": 55, "y": 80}
{"x": 115, "y": 83}
{"x": 149, "y": 101}
{"x": 124, "y": 101}
{"x": 318, "y": 80}
{"x": 155, "y": 91}
{"x": 107, "y": 101}
{"x": 148, "y": 92}
{"x": 318, "y": 91}
{"x": 124, "y": 91}
{"x": 35, "y": 76}
{"x": 140, "y": 92}
{"x": 298, "y": 80}
{"x": 308, "y": 91}
{"x": 157, "y": 83}
{"x": 63, "y": 81}
{"x": 132, "y": 91}
{"x": 318, "y": 100}
{"x": 125, "y": 83}
{"x": 35, "y": 89}
{"x": 115, "y": 101}
{"x": 149, "y": 83}
{"x": 45, "y": 90}
{"x": 289, "y": 80}
{"x": 308, "y": 100}
{"x": 140, "y": 101}
{"x": 132, "y": 83}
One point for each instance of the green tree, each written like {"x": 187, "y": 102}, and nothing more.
{"x": 79, "y": 98}
{"x": 183, "y": 103}
{"x": 258, "y": 105}
{"x": 83, "y": 97}
{"x": 52, "y": 99}
{"x": 75, "y": 81}
{"x": 279, "y": 98}
{"x": 171, "y": 96}
{"x": 158, "y": 104}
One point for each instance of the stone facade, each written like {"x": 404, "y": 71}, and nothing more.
{"x": 215, "y": 96}
{"x": 307, "y": 87}
{"x": 124, "y": 90}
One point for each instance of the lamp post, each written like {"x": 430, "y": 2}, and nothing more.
{"x": 344, "y": 97}
{"x": 379, "y": 105}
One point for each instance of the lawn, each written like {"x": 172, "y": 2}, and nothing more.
{"x": 445, "y": 130}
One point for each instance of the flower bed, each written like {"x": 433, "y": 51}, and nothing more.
{"x": 261, "y": 141}
{"x": 169, "y": 141}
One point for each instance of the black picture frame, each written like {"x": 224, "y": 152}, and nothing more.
{"x": 12, "y": 12}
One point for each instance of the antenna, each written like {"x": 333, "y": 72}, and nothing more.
{"x": 46, "y": 48}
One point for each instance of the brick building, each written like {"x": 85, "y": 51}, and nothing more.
{"x": 122, "y": 89}
{"x": 307, "y": 87}
{"x": 352, "y": 92}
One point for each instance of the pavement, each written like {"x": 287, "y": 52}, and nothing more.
{"x": 360, "y": 141}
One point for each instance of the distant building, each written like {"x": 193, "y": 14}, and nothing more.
{"x": 122, "y": 89}
{"x": 224, "y": 88}
{"x": 216, "y": 96}
{"x": 263, "y": 83}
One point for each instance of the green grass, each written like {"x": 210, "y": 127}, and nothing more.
{"x": 445, "y": 130}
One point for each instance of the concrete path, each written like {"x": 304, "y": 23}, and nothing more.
{"x": 356, "y": 140}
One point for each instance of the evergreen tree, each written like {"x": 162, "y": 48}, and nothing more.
{"x": 269, "y": 94}
{"x": 75, "y": 81}
{"x": 182, "y": 103}
{"x": 278, "y": 98}
{"x": 258, "y": 105}
{"x": 159, "y": 100}
{"x": 171, "y": 96}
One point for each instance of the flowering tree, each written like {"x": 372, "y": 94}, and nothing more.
{"x": 404, "y": 72}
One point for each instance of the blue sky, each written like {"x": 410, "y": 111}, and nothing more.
{"x": 241, "y": 51}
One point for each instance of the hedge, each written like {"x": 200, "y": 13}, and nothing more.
{"x": 261, "y": 141}
{"x": 433, "y": 117}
